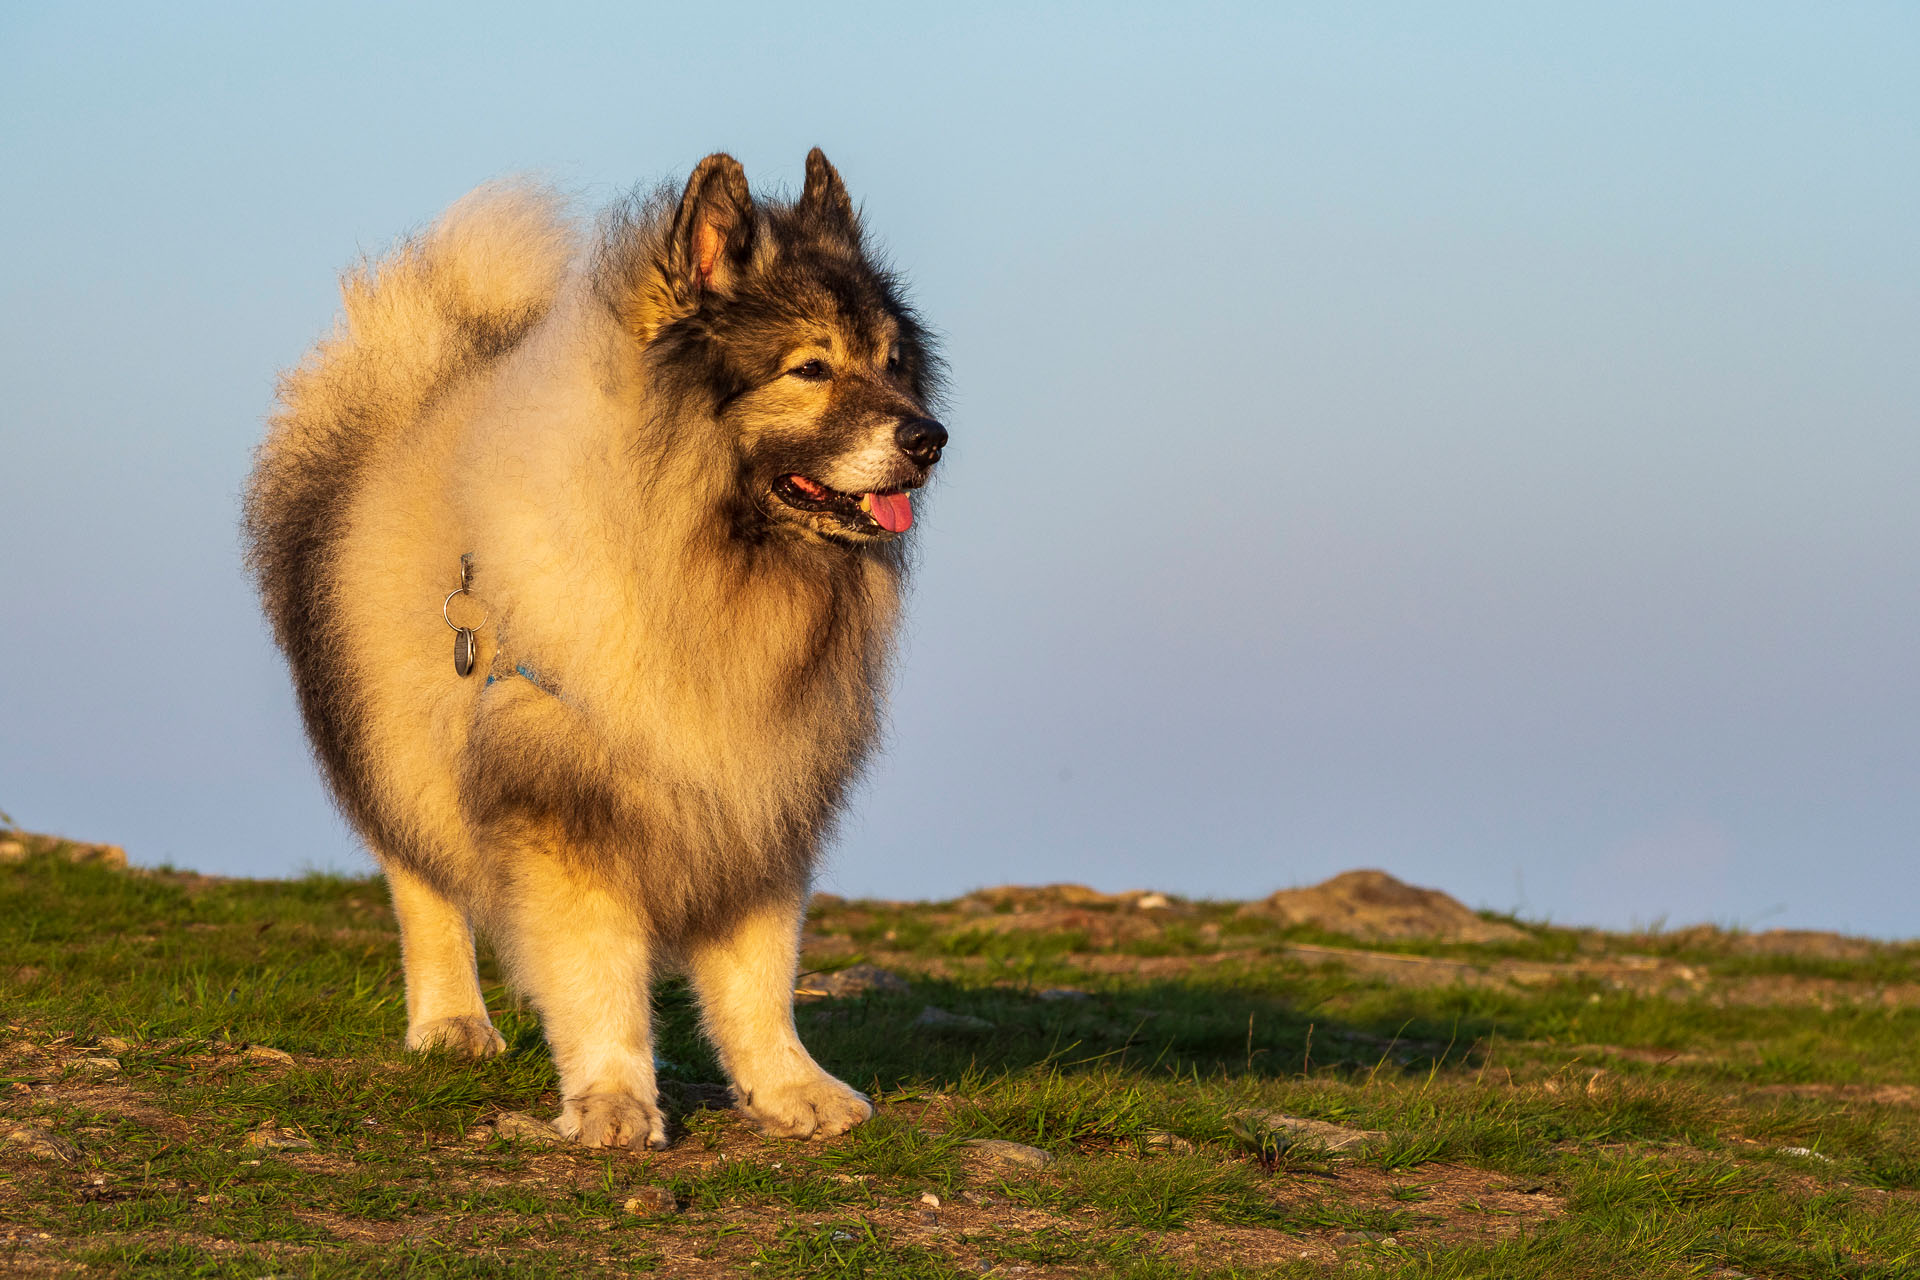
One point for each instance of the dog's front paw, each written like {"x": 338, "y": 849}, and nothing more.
{"x": 816, "y": 1106}
{"x": 612, "y": 1120}
{"x": 471, "y": 1037}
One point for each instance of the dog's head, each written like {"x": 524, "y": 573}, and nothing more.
{"x": 800, "y": 345}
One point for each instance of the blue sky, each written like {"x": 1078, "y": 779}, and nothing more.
{"x": 1476, "y": 441}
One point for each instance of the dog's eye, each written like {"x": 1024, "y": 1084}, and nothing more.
{"x": 893, "y": 360}
{"x": 811, "y": 371}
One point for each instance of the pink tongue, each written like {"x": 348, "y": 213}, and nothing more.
{"x": 894, "y": 511}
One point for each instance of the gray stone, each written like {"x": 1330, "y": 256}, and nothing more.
{"x": 1334, "y": 1137}
{"x": 854, "y": 980}
{"x": 518, "y": 1126}
{"x": 938, "y": 1019}
{"x": 1001, "y": 1151}
{"x": 42, "y": 1142}
{"x": 651, "y": 1202}
{"x": 268, "y": 1136}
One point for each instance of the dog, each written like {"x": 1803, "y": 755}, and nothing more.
{"x": 586, "y": 550}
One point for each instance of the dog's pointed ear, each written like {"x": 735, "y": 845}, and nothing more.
{"x": 713, "y": 230}
{"x": 824, "y": 199}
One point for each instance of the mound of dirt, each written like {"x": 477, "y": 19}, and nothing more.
{"x": 18, "y": 846}
{"x": 1015, "y": 898}
{"x": 1817, "y": 943}
{"x": 1373, "y": 904}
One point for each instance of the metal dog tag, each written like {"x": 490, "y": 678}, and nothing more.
{"x": 463, "y": 647}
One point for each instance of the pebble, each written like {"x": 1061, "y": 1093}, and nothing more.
{"x": 1334, "y": 1137}
{"x": 262, "y": 1053}
{"x": 938, "y": 1019}
{"x": 98, "y": 1066}
{"x": 929, "y": 1199}
{"x": 1168, "y": 1142}
{"x": 269, "y": 1137}
{"x": 854, "y": 980}
{"x": 651, "y": 1202}
{"x": 1001, "y": 1151}
{"x": 43, "y": 1142}
{"x": 115, "y": 1044}
{"x": 516, "y": 1126}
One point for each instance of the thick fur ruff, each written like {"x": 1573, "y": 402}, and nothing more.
{"x": 602, "y": 422}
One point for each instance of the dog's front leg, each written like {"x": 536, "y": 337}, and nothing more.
{"x": 584, "y": 960}
{"x": 744, "y": 979}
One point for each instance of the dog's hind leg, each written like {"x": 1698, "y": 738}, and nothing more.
{"x": 584, "y": 960}
{"x": 744, "y": 979}
{"x": 445, "y": 1009}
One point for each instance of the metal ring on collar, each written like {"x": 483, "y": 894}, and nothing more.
{"x": 457, "y": 591}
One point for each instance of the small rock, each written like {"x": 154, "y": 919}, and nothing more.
{"x": 1063, "y": 993}
{"x": 929, "y": 1199}
{"x": 213, "y": 1198}
{"x": 42, "y": 1142}
{"x": 1152, "y": 902}
{"x": 651, "y": 1202}
{"x": 262, "y": 1053}
{"x": 1334, "y": 1137}
{"x": 1168, "y": 1142}
{"x": 939, "y": 1019}
{"x": 854, "y": 980}
{"x": 98, "y": 1066}
{"x": 1805, "y": 1153}
{"x": 268, "y": 1136}
{"x": 1001, "y": 1151}
{"x": 518, "y": 1126}
{"x": 114, "y": 1044}
{"x": 926, "y": 1217}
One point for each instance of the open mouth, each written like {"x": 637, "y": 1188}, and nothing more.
{"x": 891, "y": 511}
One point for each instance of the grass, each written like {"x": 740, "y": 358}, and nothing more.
{"x": 1575, "y": 1104}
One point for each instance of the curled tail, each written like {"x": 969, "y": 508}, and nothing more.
{"x": 437, "y": 309}
{"x": 439, "y": 306}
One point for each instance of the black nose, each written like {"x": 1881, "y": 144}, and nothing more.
{"x": 921, "y": 439}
